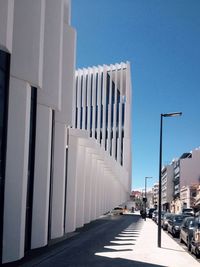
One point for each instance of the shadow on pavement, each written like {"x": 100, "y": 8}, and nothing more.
{"x": 81, "y": 249}
{"x": 103, "y": 262}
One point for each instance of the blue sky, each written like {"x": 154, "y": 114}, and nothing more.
{"x": 161, "y": 40}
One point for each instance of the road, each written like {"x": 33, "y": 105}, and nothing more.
{"x": 89, "y": 245}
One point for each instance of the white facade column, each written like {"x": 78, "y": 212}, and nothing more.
{"x": 98, "y": 104}
{"x": 88, "y": 191}
{"x": 6, "y": 22}
{"x": 121, "y": 89}
{"x": 41, "y": 177}
{"x": 80, "y": 191}
{"x": 58, "y": 188}
{"x": 89, "y": 104}
{"x": 101, "y": 187}
{"x": 83, "y": 100}
{"x": 115, "y": 115}
{"x": 68, "y": 69}
{"x": 127, "y": 159}
{"x": 109, "y": 140}
{"x": 94, "y": 103}
{"x": 70, "y": 221}
{"x": 16, "y": 170}
{"x": 78, "y": 100}
{"x": 94, "y": 187}
{"x": 50, "y": 94}
{"x": 98, "y": 187}
{"x": 28, "y": 41}
{"x": 104, "y": 97}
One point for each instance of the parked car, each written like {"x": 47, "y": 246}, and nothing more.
{"x": 164, "y": 221}
{"x": 186, "y": 231}
{"x": 117, "y": 211}
{"x": 151, "y": 210}
{"x": 154, "y": 215}
{"x": 195, "y": 242}
{"x": 188, "y": 211}
{"x": 174, "y": 224}
{"x": 162, "y": 215}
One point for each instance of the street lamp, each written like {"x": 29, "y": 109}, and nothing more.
{"x": 145, "y": 188}
{"x": 174, "y": 114}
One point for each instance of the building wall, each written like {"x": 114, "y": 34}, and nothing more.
{"x": 167, "y": 185}
{"x": 42, "y": 59}
{"x": 155, "y": 194}
{"x": 57, "y": 176}
{"x": 102, "y": 107}
{"x": 101, "y": 110}
{"x": 190, "y": 169}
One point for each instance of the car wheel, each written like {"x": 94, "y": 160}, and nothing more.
{"x": 173, "y": 233}
{"x": 197, "y": 254}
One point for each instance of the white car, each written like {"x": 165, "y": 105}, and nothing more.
{"x": 117, "y": 211}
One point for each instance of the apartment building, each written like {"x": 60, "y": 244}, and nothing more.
{"x": 167, "y": 176}
{"x": 190, "y": 168}
{"x": 155, "y": 191}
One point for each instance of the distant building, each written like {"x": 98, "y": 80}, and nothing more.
{"x": 190, "y": 168}
{"x": 149, "y": 203}
{"x": 188, "y": 196}
{"x": 136, "y": 194}
{"x": 178, "y": 164}
{"x": 155, "y": 191}
{"x": 167, "y": 186}
{"x": 186, "y": 178}
{"x": 197, "y": 201}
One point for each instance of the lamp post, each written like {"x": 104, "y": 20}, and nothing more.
{"x": 174, "y": 114}
{"x": 145, "y": 192}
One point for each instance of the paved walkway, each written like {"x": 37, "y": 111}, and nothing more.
{"x": 171, "y": 254}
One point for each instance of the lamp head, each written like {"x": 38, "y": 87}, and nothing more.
{"x": 173, "y": 114}
{"x": 148, "y": 177}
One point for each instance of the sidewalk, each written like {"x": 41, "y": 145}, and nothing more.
{"x": 171, "y": 254}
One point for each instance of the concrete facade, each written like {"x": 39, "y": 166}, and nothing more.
{"x": 155, "y": 195}
{"x": 57, "y": 175}
{"x": 167, "y": 186}
{"x": 190, "y": 169}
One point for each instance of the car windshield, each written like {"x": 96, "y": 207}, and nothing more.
{"x": 167, "y": 216}
{"x": 187, "y": 210}
{"x": 178, "y": 218}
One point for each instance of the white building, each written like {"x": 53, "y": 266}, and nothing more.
{"x": 155, "y": 191}
{"x": 167, "y": 186}
{"x": 190, "y": 169}
{"x": 57, "y": 171}
{"x": 188, "y": 196}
